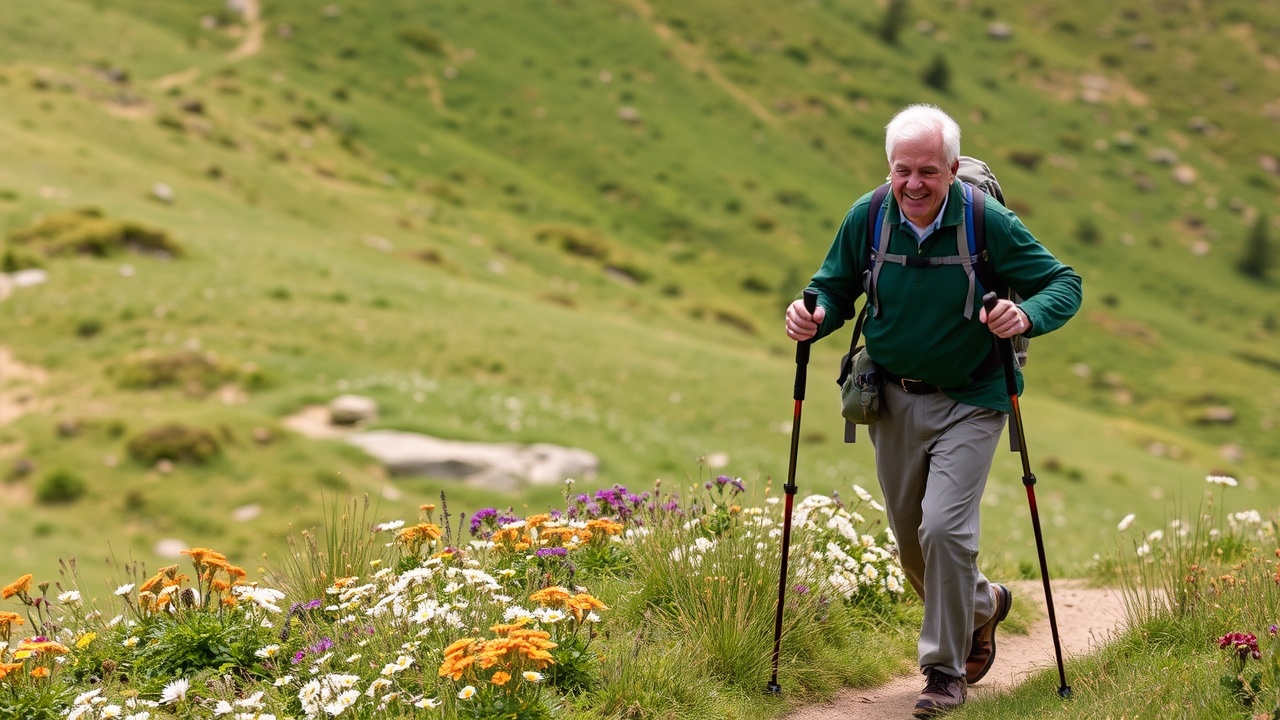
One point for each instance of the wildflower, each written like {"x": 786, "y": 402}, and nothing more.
{"x": 18, "y": 587}
{"x": 500, "y": 678}
{"x": 535, "y": 676}
{"x": 70, "y": 597}
{"x": 1221, "y": 480}
{"x": 402, "y": 663}
{"x": 39, "y": 672}
{"x": 223, "y": 708}
{"x": 130, "y": 642}
{"x": 1126, "y": 522}
{"x": 175, "y": 691}
{"x": 6, "y": 668}
{"x": 429, "y": 703}
{"x": 342, "y": 702}
{"x": 254, "y": 701}
{"x": 1244, "y": 644}
{"x": 466, "y": 693}
{"x": 9, "y": 618}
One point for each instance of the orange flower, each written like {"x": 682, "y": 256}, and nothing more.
{"x": 10, "y": 618}
{"x": 503, "y": 629}
{"x": 152, "y": 583}
{"x": 18, "y": 587}
{"x": 6, "y": 668}
{"x": 43, "y": 646}
{"x": 606, "y": 526}
{"x": 551, "y": 597}
{"x": 534, "y": 521}
{"x": 506, "y": 535}
{"x": 584, "y": 603}
{"x": 199, "y": 556}
{"x": 428, "y": 507}
{"x": 500, "y": 678}
{"x": 40, "y": 672}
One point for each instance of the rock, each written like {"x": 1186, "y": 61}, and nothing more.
{"x": 628, "y": 114}
{"x": 29, "y": 278}
{"x": 1000, "y": 31}
{"x": 162, "y": 192}
{"x": 492, "y": 465}
{"x": 352, "y": 409}
{"x": 170, "y": 548}
{"x": 1185, "y": 175}
{"x": 1217, "y": 415}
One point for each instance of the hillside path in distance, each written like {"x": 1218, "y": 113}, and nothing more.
{"x": 1087, "y": 617}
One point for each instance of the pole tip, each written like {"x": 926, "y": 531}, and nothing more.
{"x": 774, "y": 689}
{"x": 1064, "y": 692}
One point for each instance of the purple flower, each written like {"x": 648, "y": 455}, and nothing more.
{"x": 551, "y": 552}
{"x": 298, "y": 656}
{"x": 802, "y": 589}
{"x": 322, "y": 646}
{"x": 1273, "y": 630}
{"x": 477, "y": 520}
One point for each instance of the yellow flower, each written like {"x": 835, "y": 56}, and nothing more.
{"x": 85, "y": 639}
{"x": 17, "y": 587}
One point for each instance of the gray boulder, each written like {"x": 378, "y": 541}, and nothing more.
{"x": 498, "y": 466}
{"x": 352, "y": 409}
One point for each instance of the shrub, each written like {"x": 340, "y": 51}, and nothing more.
{"x": 1257, "y": 259}
{"x": 938, "y": 74}
{"x": 422, "y": 40}
{"x": 86, "y": 231}
{"x": 194, "y": 371}
{"x": 60, "y": 487}
{"x": 174, "y": 442}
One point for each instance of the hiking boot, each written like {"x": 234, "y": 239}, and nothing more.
{"x": 942, "y": 694}
{"x": 983, "y": 651}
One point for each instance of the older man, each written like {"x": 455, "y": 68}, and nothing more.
{"x": 943, "y": 399}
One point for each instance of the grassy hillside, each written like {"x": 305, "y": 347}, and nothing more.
{"x": 579, "y": 222}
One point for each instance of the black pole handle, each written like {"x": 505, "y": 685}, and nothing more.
{"x": 802, "y": 347}
{"x": 1004, "y": 346}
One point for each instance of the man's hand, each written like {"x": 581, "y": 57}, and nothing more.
{"x": 1006, "y": 320}
{"x": 800, "y": 324}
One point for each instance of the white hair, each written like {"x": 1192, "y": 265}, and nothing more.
{"x": 920, "y": 122}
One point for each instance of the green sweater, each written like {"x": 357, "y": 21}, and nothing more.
{"x": 920, "y": 331}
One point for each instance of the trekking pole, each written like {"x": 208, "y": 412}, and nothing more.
{"x": 802, "y": 368}
{"x": 1005, "y": 348}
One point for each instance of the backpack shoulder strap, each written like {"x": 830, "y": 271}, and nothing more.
{"x": 877, "y": 243}
{"x": 977, "y": 227}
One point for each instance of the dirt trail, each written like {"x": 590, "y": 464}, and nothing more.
{"x": 252, "y": 42}
{"x": 1086, "y": 618}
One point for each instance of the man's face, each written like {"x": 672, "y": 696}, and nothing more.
{"x": 920, "y": 178}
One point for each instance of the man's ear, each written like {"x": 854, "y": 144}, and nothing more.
{"x": 955, "y": 169}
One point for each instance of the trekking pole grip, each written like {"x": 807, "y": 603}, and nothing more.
{"x": 802, "y": 347}
{"x": 1003, "y": 346}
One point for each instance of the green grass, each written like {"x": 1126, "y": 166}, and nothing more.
{"x": 654, "y": 342}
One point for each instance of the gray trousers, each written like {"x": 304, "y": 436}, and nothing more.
{"x": 932, "y": 457}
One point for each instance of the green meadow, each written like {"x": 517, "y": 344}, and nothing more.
{"x": 579, "y": 223}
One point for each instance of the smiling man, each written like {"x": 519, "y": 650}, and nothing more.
{"x": 943, "y": 401}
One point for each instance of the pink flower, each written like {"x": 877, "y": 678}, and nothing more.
{"x": 1244, "y": 644}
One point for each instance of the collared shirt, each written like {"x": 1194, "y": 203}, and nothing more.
{"x": 923, "y": 233}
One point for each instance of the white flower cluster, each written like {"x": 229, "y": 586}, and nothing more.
{"x": 92, "y": 706}
{"x": 857, "y": 565}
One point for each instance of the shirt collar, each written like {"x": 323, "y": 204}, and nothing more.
{"x": 924, "y": 232}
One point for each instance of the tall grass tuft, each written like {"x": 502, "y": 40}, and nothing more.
{"x": 344, "y": 546}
